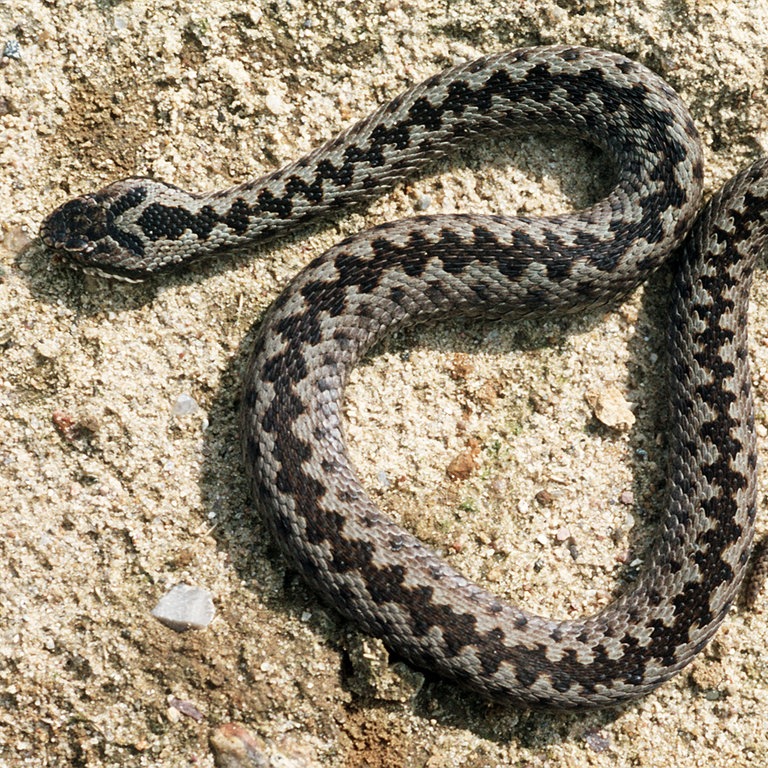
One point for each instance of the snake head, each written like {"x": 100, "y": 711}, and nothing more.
{"x": 76, "y": 228}
{"x": 98, "y": 232}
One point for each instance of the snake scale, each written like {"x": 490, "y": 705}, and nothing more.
{"x": 429, "y": 268}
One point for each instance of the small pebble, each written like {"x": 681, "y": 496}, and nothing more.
{"x": 463, "y": 465}
{"x": 373, "y": 673}
{"x": 11, "y": 50}
{"x": 423, "y": 203}
{"x": 186, "y": 708}
{"x": 610, "y": 408}
{"x": 75, "y": 429}
{"x": 597, "y": 741}
{"x": 563, "y": 534}
{"x": 184, "y": 608}
{"x": 185, "y": 406}
{"x": 234, "y": 747}
{"x": 275, "y": 104}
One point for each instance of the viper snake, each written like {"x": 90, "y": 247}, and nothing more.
{"x": 430, "y": 268}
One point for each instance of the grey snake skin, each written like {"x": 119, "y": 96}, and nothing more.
{"x": 430, "y": 268}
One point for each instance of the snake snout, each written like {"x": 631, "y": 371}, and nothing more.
{"x": 75, "y": 227}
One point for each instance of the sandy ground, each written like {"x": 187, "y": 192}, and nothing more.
{"x": 108, "y": 499}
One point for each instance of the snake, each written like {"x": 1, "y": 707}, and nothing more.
{"x": 431, "y": 268}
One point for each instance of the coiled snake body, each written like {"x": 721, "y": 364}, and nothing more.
{"x": 432, "y": 267}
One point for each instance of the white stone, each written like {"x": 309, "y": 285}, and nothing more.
{"x": 185, "y": 607}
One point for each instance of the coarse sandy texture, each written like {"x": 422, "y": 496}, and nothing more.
{"x": 108, "y": 499}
